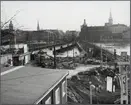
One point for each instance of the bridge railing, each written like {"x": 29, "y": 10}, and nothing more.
{"x": 33, "y": 47}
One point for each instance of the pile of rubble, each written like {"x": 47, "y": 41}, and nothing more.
{"x": 79, "y": 87}
{"x": 46, "y": 61}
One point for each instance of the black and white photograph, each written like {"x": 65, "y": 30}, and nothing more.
{"x": 65, "y": 52}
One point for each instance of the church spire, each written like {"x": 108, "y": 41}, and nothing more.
{"x": 38, "y": 27}
{"x": 110, "y": 18}
{"x": 110, "y": 14}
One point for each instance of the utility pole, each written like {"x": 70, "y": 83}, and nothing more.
{"x": 106, "y": 60}
{"x": 10, "y": 42}
{"x": 101, "y": 56}
{"x": 123, "y": 69}
{"x": 67, "y": 53}
{"x": 10, "y": 46}
{"x": 73, "y": 55}
{"x": 54, "y": 58}
{"x": 48, "y": 37}
{"x": 73, "y": 51}
{"x": 54, "y": 53}
{"x": 115, "y": 64}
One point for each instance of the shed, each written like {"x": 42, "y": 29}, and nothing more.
{"x": 34, "y": 85}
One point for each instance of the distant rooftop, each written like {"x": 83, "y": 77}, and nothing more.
{"x": 27, "y": 84}
{"x": 118, "y": 25}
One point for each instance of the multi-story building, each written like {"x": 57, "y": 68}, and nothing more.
{"x": 47, "y": 35}
{"x": 126, "y": 35}
{"x": 117, "y": 28}
{"x": 71, "y": 34}
{"x": 92, "y": 33}
{"x": 110, "y": 32}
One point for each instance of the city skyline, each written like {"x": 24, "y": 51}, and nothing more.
{"x": 64, "y": 15}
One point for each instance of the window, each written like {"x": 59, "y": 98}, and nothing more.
{"x": 57, "y": 96}
{"x": 63, "y": 88}
{"x": 124, "y": 101}
{"x": 48, "y": 101}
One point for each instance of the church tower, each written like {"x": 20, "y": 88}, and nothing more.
{"x": 38, "y": 28}
{"x": 84, "y": 32}
{"x": 84, "y": 23}
{"x": 10, "y": 26}
{"x": 110, "y": 19}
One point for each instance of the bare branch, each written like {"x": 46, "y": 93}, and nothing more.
{"x": 10, "y": 19}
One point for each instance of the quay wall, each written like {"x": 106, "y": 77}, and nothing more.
{"x": 86, "y": 45}
{"x": 70, "y": 47}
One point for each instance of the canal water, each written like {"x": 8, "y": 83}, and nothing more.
{"x": 68, "y": 53}
{"x": 119, "y": 48}
{"x": 107, "y": 46}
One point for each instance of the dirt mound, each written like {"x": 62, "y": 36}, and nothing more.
{"x": 79, "y": 87}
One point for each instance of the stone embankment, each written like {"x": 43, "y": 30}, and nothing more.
{"x": 96, "y": 51}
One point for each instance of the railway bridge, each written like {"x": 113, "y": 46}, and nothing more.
{"x": 59, "y": 47}
{"x": 36, "y": 47}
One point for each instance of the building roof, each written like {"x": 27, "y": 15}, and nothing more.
{"x": 28, "y": 84}
{"x": 114, "y": 25}
{"x": 96, "y": 28}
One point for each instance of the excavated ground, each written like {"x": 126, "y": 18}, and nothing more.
{"x": 79, "y": 91}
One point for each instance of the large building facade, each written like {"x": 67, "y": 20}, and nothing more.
{"x": 126, "y": 35}
{"x": 108, "y": 33}
{"x": 47, "y": 35}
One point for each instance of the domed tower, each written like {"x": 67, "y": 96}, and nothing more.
{"x": 10, "y": 26}
{"x": 110, "y": 19}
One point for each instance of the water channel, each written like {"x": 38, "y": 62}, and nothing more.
{"x": 119, "y": 48}
{"x": 68, "y": 53}
{"x": 108, "y": 46}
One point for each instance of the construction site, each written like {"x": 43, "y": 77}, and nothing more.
{"x": 48, "y": 64}
{"x": 78, "y": 85}
{"x": 97, "y": 83}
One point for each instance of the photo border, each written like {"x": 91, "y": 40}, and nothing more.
{"x": 76, "y": 0}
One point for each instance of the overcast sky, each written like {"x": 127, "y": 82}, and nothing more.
{"x": 65, "y": 15}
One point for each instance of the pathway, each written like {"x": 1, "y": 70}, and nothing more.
{"x": 80, "y": 69}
